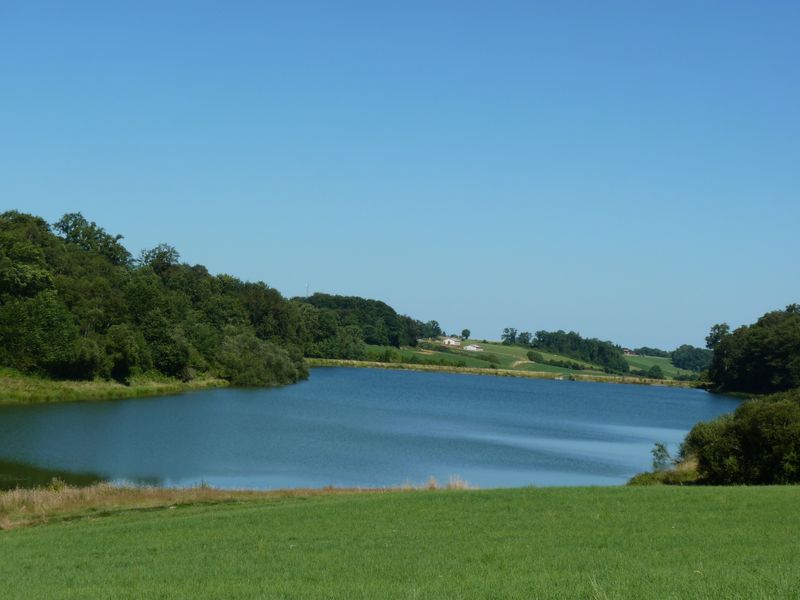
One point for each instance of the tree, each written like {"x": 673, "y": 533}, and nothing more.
{"x": 91, "y": 238}
{"x": 524, "y": 338}
{"x": 592, "y": 350}
{"x": 346, "y": 343}
{"x": 534, "y": 356}
{"x": 465, "y": 333}
{"x": 661, "y": 457}
{"x": 761, "y": 358}
{"x": 647, "y": 351}
{"x": 717, "y": 334}
{"x": 509, "y": 336}
{"x": 37, "y": 334}
{"x": 249, "y": 361}
{"x": 691, "y": 358}
{"x": 159, "y": 258}
{"x": 430, "y": 330}
{"x": 655, "y": 372}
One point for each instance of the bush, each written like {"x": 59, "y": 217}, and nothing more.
{"x": 757, "y": 444}
{"x": 249, "y": 361}
{"x": 534, "y": 356}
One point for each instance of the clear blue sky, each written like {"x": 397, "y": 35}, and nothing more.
{"x": 629, "y": 170}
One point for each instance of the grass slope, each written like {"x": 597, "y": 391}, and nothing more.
{"x": 651, "y": 542}
{"x": 515, "y": 358}
{"x": 645, "y": 362}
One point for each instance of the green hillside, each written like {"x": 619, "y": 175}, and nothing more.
{"x": 645, "y": 362}
{"x": 504, "y": 356}
{"x": 652, "y": 542}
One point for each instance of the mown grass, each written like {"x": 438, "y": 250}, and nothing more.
{"x": 649, "y": 542}
{"x": 16, "y": 388}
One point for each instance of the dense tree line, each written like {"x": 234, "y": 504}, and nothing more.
{"x": 572, "y": 345}
{"x": 691, "y": 358}
{"x": 760, "y": 358}
{"x": 75, "y": 304}
{"x": 379, "y": 323}
{"x": 647, "y": 351}
{"x": 760, "y": 442}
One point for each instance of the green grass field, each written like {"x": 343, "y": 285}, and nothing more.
{"x": 515, "y": 357}
{"x": 645, "y": 362}
{"x": 652, "y": 542}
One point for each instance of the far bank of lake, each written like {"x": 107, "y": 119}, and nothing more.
{"x": 498, "y": 372}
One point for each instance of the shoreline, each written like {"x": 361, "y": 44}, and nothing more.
{"x": 366, "y": 364}
{"x": 30, "y": 506}
{"x": 16, "y": 388}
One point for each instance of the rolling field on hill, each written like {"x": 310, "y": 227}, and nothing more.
{"x": 650, "y": 542}
{"x": 645, "y": 362}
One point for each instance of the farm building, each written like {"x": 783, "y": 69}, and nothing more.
{"x": 473, "y": 348}
{"x": 451, "y": 342}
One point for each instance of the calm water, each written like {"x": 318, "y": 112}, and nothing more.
{"x": 363, "y": 427}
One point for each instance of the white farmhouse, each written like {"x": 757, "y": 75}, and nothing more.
{"x": 473, "y": 348}
{"x": 451, "y": 342}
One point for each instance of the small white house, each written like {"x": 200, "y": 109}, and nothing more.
{"x": 473, "y": 348}
{"x": 451, "y": 342}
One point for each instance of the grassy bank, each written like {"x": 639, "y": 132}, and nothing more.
{"x": 651, "y": 542}
{"x": 16, "y": 388}
{"x": 576, "y": 376}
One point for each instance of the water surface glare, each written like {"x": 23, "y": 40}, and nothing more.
{"x": 364, "y": 427}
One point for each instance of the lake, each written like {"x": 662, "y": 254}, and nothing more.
{"x": 361, "y": 427}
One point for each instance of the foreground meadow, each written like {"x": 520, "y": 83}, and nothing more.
{"x": 656, "y": 542}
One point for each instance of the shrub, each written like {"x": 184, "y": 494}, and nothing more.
{"x": 758, "y": 444}
{"x": 249, "y": 361}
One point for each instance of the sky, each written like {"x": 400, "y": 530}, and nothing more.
{"x": 627, "y": 170}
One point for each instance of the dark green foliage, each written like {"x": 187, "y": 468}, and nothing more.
{"x": 655, "y": 372}
{"x": 377, "y": 322}
{"x": 647, "y": 351}
{"x": 429, "y": 330}
{"x": 691, "y": 358}
{"x": 717, "y": 333}
{"x": 759, "y": 358}
{"x": 249, "y": 361}
{"x": 524, "y": 338}
{"x": 346, "y": 343}
{"x": 538, "y": 357}
{"x": 76, "y": 306}
{"x": 38, "y": 334}
{"x": 509, "y": 336}
{"x": 160, "y": 258}
{"x": 23, "y": 264}
{"x": 605, "y": 354}
{"x": 465, "y": 333}
{"x": 758, "y": 444}
{"x": 91, "y": 238}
